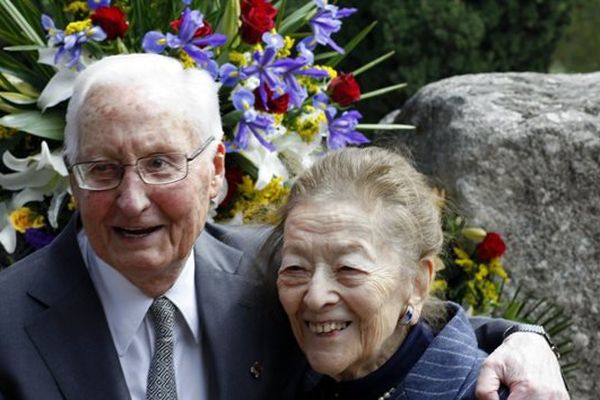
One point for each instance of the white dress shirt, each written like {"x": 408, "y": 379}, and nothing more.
{"x": 132, "y": 329}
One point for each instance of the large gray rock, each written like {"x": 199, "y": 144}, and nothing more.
{"x": 520, "y": 152}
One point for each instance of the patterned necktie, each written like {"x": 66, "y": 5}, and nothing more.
{"x": 161, "y": 376}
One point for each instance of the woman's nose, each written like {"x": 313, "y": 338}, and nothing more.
{"x": 132, "y": 197}
{"x": 321, "y": 292}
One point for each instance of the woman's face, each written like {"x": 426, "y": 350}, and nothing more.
{"x": 343, "y": 288}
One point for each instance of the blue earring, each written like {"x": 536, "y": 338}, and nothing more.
{"x": 408, "y": 315}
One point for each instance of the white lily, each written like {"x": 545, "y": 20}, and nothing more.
{"x": 8, "y": 235}
{"x": 267, "y": 162}
{"x": 297, "y": 154}
{"x": 60, "y": 86}
{"x": 43, "y": 174}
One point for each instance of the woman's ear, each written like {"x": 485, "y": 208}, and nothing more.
{"x": 423, "y": 280}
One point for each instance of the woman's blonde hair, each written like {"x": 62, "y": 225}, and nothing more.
{"x": 384, "y": 183}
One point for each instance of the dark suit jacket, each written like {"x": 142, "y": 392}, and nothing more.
{"x": 55, "y": 342}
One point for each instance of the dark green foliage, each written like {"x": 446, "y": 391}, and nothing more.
{"x": 579, "y": 46}
{"x": 435, "y": 39}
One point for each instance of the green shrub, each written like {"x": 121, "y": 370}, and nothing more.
{"x": 434, "y": 39}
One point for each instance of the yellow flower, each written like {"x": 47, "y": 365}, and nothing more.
{"x": 439, "y": 287}
{"x": 286, "y": 50}
{"x": 260, "y": 206}
{"x": 78, "y": 26}
{"x": 308, "y": 125}
{"x": 5, "y": 132}
{"x": 77, "y": 7}
{"x": 461, "y": 254}
{"x": 309, "y": 83}
{"x": 238, "y": 59}
{"x": 23, "y": 218}
{"x": 72, "y": 205}
{"x": 497, "y": 269}
{"x": 332, "y": 72}
{"x": 187, "y": 61}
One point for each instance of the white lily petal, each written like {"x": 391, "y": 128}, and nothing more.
{"x": 24, "y": 179}
{"x": 298, "y": 154}
{"x": 14, "y": 163}
{"x": 55, "y": 208}
{"x": 53, "y": 160}
{"x": 8, "y": 238}
{"x": 268, "y": 163}
{"x": 26, "y": 195}
{"x": 4, "y": 207}
{"x": 46, "y": 56}
{"x": 58, "y": 89}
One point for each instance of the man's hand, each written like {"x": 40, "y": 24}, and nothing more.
{"x": 527, "y": 366}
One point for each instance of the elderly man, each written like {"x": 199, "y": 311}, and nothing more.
{"x": 139, "y": 297}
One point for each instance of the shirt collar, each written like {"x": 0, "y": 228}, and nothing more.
{"x": 125, "y": 305}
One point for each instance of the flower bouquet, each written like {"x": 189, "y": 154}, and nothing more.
{"x": 284, "y": 100}
{"x": 473, "y": 273}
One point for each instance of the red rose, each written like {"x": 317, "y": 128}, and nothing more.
{"x": 258, "y": 17}
{"x": 111, "y": 20}
{"x": 277, "y": 106}
{"x": 344, "y": 90}
{"x": 204, "y": 30}
{"x": 233, "y": 175}
{"x": 492, "y": 246}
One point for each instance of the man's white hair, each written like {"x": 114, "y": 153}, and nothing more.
{"x": 190, "y": 93}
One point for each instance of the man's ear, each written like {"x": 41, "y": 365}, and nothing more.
{"x": 219, "y": 171}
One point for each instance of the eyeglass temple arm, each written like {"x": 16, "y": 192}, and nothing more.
{"x": 201, "y": 149}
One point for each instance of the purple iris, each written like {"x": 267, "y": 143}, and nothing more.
{"x": 95, "y": 4}
{"x": 230, "y": 75}
{"x": 298, "y": 66}
{"x": 341, "y": 130}
{"x": 196, "y": 47}
{"x": 325, "y": 23}
{"x": 280, "y": 75}
{"x": 37, "y": 238}
{"x": 70, "y": 44}
{"x": 251, "y": 122}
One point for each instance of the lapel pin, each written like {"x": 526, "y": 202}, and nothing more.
{"x": 256, "y": 370}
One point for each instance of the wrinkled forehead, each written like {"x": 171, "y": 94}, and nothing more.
{"x": 123, "y": 100}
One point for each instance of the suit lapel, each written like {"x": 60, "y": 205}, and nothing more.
{"x": 71, "y": 334}
{"x": 233, "y": 322}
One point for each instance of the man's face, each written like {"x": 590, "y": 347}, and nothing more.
{"x": 144, "y": 231}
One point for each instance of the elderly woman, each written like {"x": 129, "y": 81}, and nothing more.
{"x": 361, "y": 238}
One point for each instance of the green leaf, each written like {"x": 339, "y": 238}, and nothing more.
{"x": 49, "y": 125}
{"x": 384, "y": 127}
{"x": 18, "y": 18}
{"x": 296, "y": 19}
{"x": 281, "y": 6}
{"x": 17, "y": 98}
{"x": 25, "y": 47}
{"x": 373, "y": 63}
{"x": 352, "y": 44}
{"x": 381, "y": 91}
{"x": 229, "y": 23}
{"x": 7, "y": 108}
{"x": 231, "y": 118}
{"x": 326, "y": 55}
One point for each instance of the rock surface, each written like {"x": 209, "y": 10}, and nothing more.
{"x": 520, "y": 153}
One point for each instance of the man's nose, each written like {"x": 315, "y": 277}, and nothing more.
{"x": 321, "y": 292}
{"x": 132, "y": 197}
